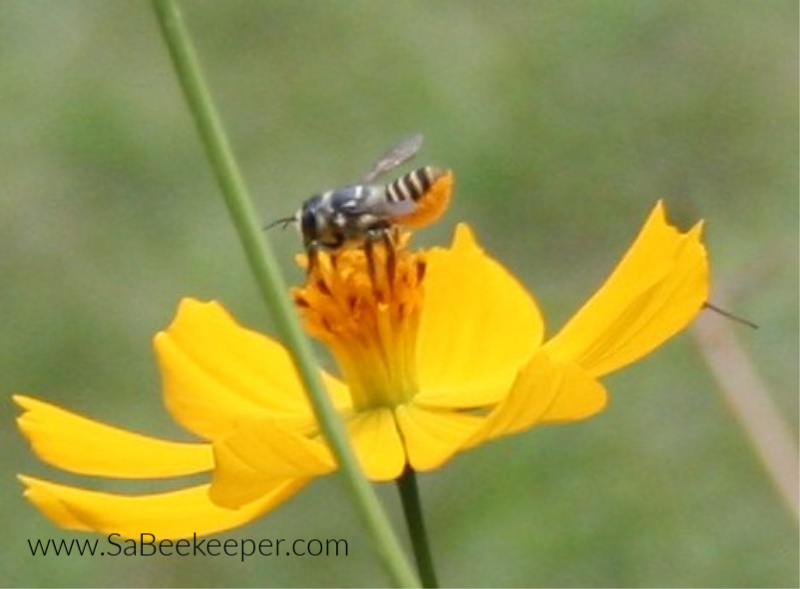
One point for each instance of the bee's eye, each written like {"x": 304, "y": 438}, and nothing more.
{"x": 308, "y": 222}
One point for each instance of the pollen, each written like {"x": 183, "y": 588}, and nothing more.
{"x": 433, "y": 204}
{"x": 364, "y": 304}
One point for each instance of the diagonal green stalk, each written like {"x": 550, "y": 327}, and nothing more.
{"x": 273, "y": 288}
{"x": 412, "y": 508}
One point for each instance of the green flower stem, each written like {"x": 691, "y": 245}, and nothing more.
{"x": 412, "y": 508}
{"x": 273, "y": 288}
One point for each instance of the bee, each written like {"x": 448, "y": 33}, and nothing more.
{"x": 365, "y": 212}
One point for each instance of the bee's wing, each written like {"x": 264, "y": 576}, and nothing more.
{"x": 393, "y": 209}
{"x": 372, "y": 200}
{"x": 403, "y": 151}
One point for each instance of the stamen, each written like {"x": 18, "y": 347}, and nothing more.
{"x": 369, "y": 252}
{"x": 365, "y": 303}
{"x": 322, "y": 286}
{"x": 421, "y": 267}
{"x": 326, "y": 324}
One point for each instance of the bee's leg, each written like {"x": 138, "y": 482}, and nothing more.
{"x": 312, "y": 253}
{"x": 391, "y": 259}
{"x": 369, "y": 254}
{"x": 313, "y": 249}
{"x": 383, "y": 236}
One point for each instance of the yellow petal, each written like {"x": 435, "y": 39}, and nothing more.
{"x": 259, "y": 452}
{"x": 175, "y": 514}
{"x": 543, "y": 392}
{"x": 215, "y": 371}
{"x": 377, "y": 444}
{"x": 84, "y": 446}
{"x": 656, "y": 290}
{"x": 433, "y": 436}
{"x": 479, "y": 325}
{"x": 579, "y": 396}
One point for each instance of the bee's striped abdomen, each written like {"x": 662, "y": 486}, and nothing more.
{"x": 413, "y": 185}
{"x": 429, "y": 188}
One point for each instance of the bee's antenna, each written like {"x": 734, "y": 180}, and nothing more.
{"x": 730, "y": 315}
{"x": 285, "y": 222}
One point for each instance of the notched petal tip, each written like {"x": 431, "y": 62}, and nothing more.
{"x": 658, "y": 287}
{"x": 465, "y": 237}
{"x": 40, "y": 494}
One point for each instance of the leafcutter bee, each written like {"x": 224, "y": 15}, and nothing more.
{"x": 365, "y": 212}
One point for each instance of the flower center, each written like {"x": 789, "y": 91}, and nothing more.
{"x": 364, "y": 304}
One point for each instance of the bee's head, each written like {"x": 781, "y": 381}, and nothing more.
{"x": 311, "y": 220}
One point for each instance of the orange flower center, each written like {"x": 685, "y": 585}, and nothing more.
{"x": 365, "y": 304}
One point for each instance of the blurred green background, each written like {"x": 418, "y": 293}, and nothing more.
{"x": 564, "y": 121}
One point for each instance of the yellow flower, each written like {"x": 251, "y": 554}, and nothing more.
{"x": 439, "y": 351}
